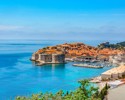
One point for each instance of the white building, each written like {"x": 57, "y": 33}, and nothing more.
{"x": 117, "y": 59}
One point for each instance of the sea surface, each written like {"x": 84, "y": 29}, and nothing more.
{"x": 20, "y": 76}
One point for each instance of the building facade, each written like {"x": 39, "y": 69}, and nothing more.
{"x": 116, "y": 59}
{"x": 49, "y": 58}
{"x": 45, "y": 58}
{"x": 35, "y": 57}
{"x": 58, "y": 58}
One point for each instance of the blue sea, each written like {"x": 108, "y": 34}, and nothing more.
{"x": 20, "y": 77}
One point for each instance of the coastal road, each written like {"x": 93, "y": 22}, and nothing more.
{"x": 117, "y": 93}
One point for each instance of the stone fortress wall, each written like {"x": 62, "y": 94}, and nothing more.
{"x": 49, "y": 58}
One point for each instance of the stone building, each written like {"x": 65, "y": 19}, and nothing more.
{"x": 104, "y": 45}
{"x": 45, "y": 58}
{"x": 35, "y": 57}
{"x": 117, "y": 59}
{"x": 58, "y": 58}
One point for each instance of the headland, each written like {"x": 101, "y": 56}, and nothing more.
{"x": 78, "y": 52}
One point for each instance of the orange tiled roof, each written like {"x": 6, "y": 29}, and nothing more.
{"x": 82, "y": 50}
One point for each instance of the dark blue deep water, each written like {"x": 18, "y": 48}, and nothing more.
{"x": 19, "y": 76}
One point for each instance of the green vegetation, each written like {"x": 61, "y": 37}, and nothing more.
{"x": 86, "y": 91}
{"x": 119, "y": 46}
{"x": 121, "y": 43}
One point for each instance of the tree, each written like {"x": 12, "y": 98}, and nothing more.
{"x": 86, "y": 91}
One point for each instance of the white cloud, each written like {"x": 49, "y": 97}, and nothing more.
{"x": 10, "y": 28}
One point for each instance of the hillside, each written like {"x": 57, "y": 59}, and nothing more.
{"x": 120, "y": 45}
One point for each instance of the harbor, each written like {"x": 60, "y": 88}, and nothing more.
{"x": 87, "y": 66}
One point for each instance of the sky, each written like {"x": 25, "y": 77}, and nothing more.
{"x": 62, "y": 19}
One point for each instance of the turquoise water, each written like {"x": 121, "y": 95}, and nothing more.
{"x": 19, "y": 76}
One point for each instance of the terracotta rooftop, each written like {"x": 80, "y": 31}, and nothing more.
{"x": 75, "y": 49}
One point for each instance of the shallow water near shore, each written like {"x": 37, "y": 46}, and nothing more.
{"x": 19, "y": 76}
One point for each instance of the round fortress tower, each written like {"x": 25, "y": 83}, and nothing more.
{"x": 58, "y": 58}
